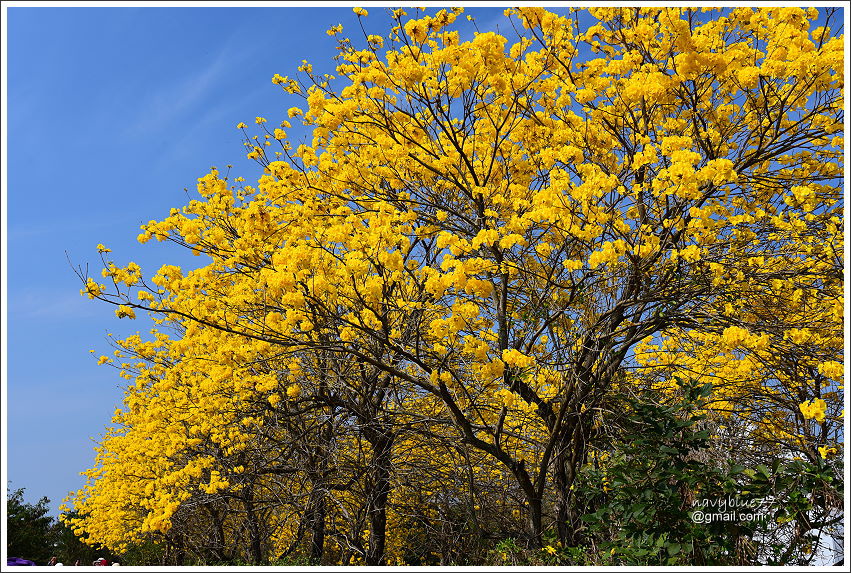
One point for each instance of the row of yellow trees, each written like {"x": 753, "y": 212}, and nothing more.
{"x": 406, "y": 340}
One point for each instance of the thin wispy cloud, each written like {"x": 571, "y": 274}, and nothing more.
{"x": 51, "y": 305}
{"x": 27, "y": 230}
{"x": 167, "y": 102}
{"x": 218, "y": 114}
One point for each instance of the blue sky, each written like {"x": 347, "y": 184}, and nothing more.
{"x": 112, "y": 112}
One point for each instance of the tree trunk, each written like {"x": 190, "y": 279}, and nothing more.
{"x": 382, "y": 444}
{"x": 317, "y": 523}
{"x": 562, "y": 501}
{"x": 568, "y": 460}
{"x": 255, "y": 542}
{"x": 534, "y": 521}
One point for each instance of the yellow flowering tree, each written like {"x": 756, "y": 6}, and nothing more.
{"x": 503, "y": 232}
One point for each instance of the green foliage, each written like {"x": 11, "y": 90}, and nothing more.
{"x": 652, "y": 477}
{"x": 29, "y": 528}
{"x": 508, "y": 552}
{"x": 301, "y": 560}
{"x": 803, "y": 498}
{"x": 660, "y": 496}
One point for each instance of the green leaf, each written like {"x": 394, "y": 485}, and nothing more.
{"x": 674, "y": 548}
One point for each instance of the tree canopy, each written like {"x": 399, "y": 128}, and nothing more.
{"x": 426, "y": 326}
{"x": 28, "y": 528}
